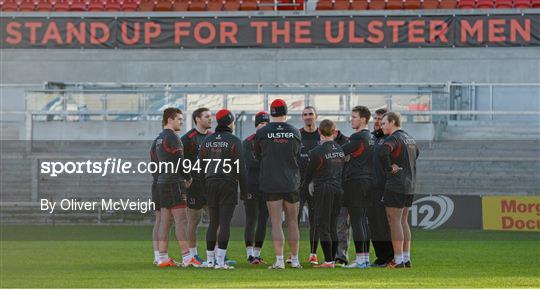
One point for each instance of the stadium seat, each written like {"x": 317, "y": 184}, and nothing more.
{"x": 359, "y": 5}
{"x": 325, "y": 5}
{"x": 44, "y": 5}
{"x": 412, "y": 4}
{"x": 112, "y": 5}
{"x": 163, "y": 5}
{"x": 522, "y": 4}
{"x": 27, "y": 5}
{"x": 448, "y": 4}
{"x": 231, "y": 5}
{"x": 61, "y": 5}
{"x": 77, "y": 5}
{"x": 95, "y": 5}
{"x": 180, "y": 5}
{"x": 266, "y": 5}
{"x": 146, "y": 5}
{"x": 394, "y": 5}
{"x": 430, "y": 4}
{"x": 129, "y": 6}
{"x": 299, "y": 5}
{"x": 248, "y": 5}
{"x": 503, "y": 4}
{"x": 10, "y": 6}
{"x": 342, "y": 5}
{"x": 377, "y": 5}
{"x": 535, "y": 3}
{"x": 485, "y": 4}
{"x": 466, "y": 4}
{"x": 214, "y": 5}
{"x": 197, "y": 5}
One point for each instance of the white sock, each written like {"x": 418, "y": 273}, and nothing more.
{"x": 186, "y": 257}
{"x": 249, "y": 251}
{"x": 156, "y": 255}
{"x": 312, "y": 254}
{"x": 163, "y": 257}
{"x": 279, "y": 261}
{"x": 406, "y": 256}
{"x": 210, "y": 256}
{"x": 193, "y": 251}
{"x": 221, "y": 256}
{"x": 366, "y": 258}
{"x": 398, "y": 259}
{"x": 256, "y": 252}
{"x": 294, "y": 260}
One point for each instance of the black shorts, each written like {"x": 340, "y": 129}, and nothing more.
{"x": 221, "y": 192}
{"x": 170, "y": 195}
{"x": 397, "y": 200}
{"x": 196, "y": 194}
{"x": 290, "y": 197}
{"x": 155, "y": 197}
{"x": 357, "y": 193}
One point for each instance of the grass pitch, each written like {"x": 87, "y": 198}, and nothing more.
{"x": 121, "y": 256}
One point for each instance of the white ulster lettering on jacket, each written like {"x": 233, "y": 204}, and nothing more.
{"x": 288, "y": 135}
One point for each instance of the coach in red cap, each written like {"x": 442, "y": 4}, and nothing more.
{"x": 222, "y": 180}
{"x": 277, "y": 146}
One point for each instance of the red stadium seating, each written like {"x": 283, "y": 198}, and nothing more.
{"x": 44, "y": 5}
{"x": 377, "y": 5}
{"x": 27, "y": 5}
{"x": 448, "y": 4}
{"x": 359, "y": 5}
{"x": 231, "y": 5}
{"x": 180, "y": 5}
{"x": 430, "y": 4}
{"x": 197, "y": 5}
{"x": 466, "y": 4}
{"x": 504, "y": 4}
{"x": 412, "y": 4}
{"x": 77, "y": 5}
{"x": 523, "y": 4}
{"x": 248, "y": 5}
{"x": 10, "y": 6}
{"x": 267, "y": 5}
{"x": 485, "y": 4}
{"x": 163, "y": 5}
{"x": 535, "y": 3}
{"x": 129, "y": 5}
{"x": 95, "y": 5}
{"x": 325, "y": 5}
{"x": 394, "y": 5}
{"x": 61, "y": 5}
{"x": 215, "y": 5}
{"x": 342, "y": 5}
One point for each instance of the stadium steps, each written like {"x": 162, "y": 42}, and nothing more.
{"x": 491, "y": 130}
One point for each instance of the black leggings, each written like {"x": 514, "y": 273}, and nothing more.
{"x": 220, "y": 218}
{"x": 306, "y": 198}
{"x": 360, "y": 229}
{"x": 326, "y": 201}
{"x": 256, "y": 219}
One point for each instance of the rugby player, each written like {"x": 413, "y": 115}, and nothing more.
{"x": 398, "y": 156}
{"x": 310, "y": 139}
{"x": 378, "y": 223}
{"x": 171, "y": 186}
{"x": 254, "y": 202}
{"x": 155, "y": 200}
{"x": 358, "y": 178}
{"x": 277, "y": 146}
{"x": 224, "y": 173}
{"x": 325, "y": 168}
{"x": 341, "y": 247}
{"x": 196, "y": 201}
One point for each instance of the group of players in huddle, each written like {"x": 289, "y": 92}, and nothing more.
{"x": 364, "y": 182}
